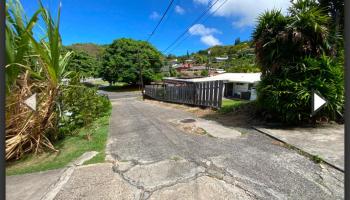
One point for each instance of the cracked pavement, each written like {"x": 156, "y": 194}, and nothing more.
{"x": 149, "y": 158}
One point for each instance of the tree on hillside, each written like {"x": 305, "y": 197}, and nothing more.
{"x": 200, "y": 59}
{"x": 293, "y": 53}
{"x": 124, "y": 58}
{"x": 171, "y": 56}
{"x": 237, "y": 41}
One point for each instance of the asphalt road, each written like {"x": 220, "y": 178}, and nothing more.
{"x": 162, "y": 161}
{"x": 119, "y": 95}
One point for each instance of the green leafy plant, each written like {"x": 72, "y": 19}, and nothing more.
{"x": 294, "y": 55}
{"x": 204, "y": 73}
{"x": 80, "y": 106}
{"x": 288, "y": 94}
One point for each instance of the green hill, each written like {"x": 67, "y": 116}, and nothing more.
{"x": 241, "y": 57}
{"x": 92, "y": 49}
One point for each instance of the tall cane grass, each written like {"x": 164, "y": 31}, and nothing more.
{"x": 34, "y": 66}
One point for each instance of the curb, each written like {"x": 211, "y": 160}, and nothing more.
{"x": 67, "y": 173}
{"x": 300, "y": 151}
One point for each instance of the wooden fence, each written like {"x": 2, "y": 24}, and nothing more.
{"x": 207, "y": 94}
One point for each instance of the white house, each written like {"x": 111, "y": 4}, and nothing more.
{"x": 236, "y": 85}
{"x": 221, "y": 59}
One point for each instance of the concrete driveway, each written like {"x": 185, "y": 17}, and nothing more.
{"x": 154, "y": 159}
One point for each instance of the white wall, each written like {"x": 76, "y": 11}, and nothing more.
{"x": 240, "y": 88}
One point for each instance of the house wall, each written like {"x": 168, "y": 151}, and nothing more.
{"x": 240, "y": 87}
{"x": 235, "y": 89}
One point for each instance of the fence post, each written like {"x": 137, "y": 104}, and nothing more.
{"x": 194, "y": 93}
{"x": 220, "y": 93}
{"x": 207, "y": 93}
{"x": 211, "y": 94}
{"x": 216, "y": 88}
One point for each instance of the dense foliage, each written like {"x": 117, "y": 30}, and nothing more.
{"x": 124, "y": 59}
{"x": 86, "y": 65}
{"x": 80, "y": 105}
{"x": 204, "y": 73}
{"x": 288, "y": 95}
{"x": 294, "y": 53}
{"x": 335, "y": 9}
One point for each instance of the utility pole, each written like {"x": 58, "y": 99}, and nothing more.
{"x": 208, "y": 62}
{"x": 140, "y": 67}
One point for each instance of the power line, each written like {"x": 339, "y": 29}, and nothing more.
{"x": 161, "y": 19}
{"x": 171, "y": 12}
{"x": 178, "y": 44}
{"x": 194, "y": 22}
{"x": 149, "y": 37}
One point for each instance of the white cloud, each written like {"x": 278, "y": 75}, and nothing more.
{"x": 210, "y": 40}
{"x": 206, "y": 34}
{"x": 200, "y": 29}
{"x": 154, "y": 15}
{"x": 244, "y": 12}
{"x": 179, "y": 10}
{"x": 206, "y": 2}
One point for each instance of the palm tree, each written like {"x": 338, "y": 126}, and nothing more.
{"x": 268, "y": 38}
{"x": 308, "y": 28}
{"x": 293, "y": 54}
{"x": 283, "y": 39}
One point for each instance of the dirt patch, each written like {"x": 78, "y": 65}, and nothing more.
{"x": 190, "y": 128}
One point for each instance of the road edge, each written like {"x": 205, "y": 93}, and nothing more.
{"x": 299, "y": 150}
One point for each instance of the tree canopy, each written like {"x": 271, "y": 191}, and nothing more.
{"x": 124, "y": 58}
{"x": 86, "y": 65}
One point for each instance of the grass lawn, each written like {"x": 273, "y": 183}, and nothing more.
{"x": 70, "y": 148}
{"x": 100, "y": 82}
{"x": 229, "y": 105}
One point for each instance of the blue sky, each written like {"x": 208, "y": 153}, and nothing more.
{"x": 102, "y": 21}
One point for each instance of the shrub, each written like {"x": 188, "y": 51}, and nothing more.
{"x": 288, "y": 95}
{"x": 173, "y": 72}
{"x": 204, "y": 73}
{"x": 80, "y": 105}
